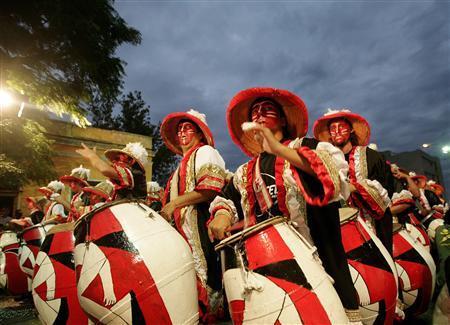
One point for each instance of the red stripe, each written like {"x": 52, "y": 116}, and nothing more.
{"x": 351, "y": 166}
{"x": 250, "y": 192}
{"x": 308, "y": 305}
{"x": 208, "y": 187}
{"x": 281, "y": 189}
{"x": 266, "y": 247}
{"x": 237, "y": 308}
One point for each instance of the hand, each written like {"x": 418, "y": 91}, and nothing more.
{"x": 86, "y": 152}
{"x": 219, "y": 226}
{"x": 110, "y": 298}
{"x": 266, "y": 139}
{"x": 168, "y": 210}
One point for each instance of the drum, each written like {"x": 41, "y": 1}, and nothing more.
{"x": 31, "y": 239}
{"x": 417, "y": 231}
{"x": 371, "y": 267}
{"x": 54, "y": 285}
{"x": 434, "y": 215}
{"x": 8, "y": 240}
{"x": 272, "y": 275}
{"x": 416, "y": 271}
{"x": 133, "y": 267}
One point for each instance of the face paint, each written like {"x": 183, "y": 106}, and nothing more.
{"x": 267, "y": 114}
{"x": 340, "y": 132}
{"x": 75, "y": 186}
{"x": 186, "y": 133}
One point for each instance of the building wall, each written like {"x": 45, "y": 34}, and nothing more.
{"x": 68, "y": 137}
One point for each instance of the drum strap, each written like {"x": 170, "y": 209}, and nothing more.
{"x": 261, "y": 192}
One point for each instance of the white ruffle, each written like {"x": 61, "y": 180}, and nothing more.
{"x": 137, "y": 150}
{"x": 403, "y": 195}
{"x": 381, "y": 190}
{"x": 341, "y": 166}
{"x": 423, "y": 200}
{"x": 218, "y": 200}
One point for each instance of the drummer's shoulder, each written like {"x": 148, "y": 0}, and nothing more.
{"x": 207, "y": 153}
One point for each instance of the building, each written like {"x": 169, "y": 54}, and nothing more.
{"x": 67, "y": 138}
{"x": 418, "y": 161}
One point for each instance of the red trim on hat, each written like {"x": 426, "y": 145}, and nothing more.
{"x": 403, "y": 201}
{"x": 69, "y": 178}
{"x": 322, "y": 174}
{"x": 45, "y": 190}
{"x": 168, "y": 134}
{"x": 350, "y": 116}
{"x": 279, "y": 95}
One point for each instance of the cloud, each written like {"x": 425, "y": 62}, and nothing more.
{"x": 387, "y": 61}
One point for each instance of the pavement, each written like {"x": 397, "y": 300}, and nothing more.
{"x": 17, "y": 311}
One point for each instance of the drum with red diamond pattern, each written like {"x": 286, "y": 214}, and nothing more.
{"x": 54, "y": 281}
{"x": 133, "y": 267}
{"x": 31, "y": 239}
{"x": 273, "y": 276}
{"x": 371, "y": 267}
{"x": 11, "y": 276}
{"x": 416, "y": 271}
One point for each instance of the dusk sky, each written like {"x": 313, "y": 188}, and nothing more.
{"x": 389, "y": 62}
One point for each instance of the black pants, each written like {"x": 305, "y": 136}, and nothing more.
{"x": 325, "y": 229}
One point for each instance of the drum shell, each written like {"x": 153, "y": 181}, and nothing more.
{"x": 56, "y": 261}
{"x": 417, "y": 272}
{"x": 11, "y": 277}
{"x": 278, "y": 259}
{"x": 142, "y": 248}
{"x": 31, "y": 239}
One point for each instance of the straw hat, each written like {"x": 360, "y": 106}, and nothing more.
{"x": 360, "y": 126}
{"x": 169, "y": 128}
{"x": 104, "y": 189}
{"x": 238, "y": 112}
{"x": 78, "y": 174}
{"x": 134, "y": 150}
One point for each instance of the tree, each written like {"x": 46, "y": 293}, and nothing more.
{"x": 25, "y": 153}
{"x": 135, "y": 118}
{"x": 61, "y": 54}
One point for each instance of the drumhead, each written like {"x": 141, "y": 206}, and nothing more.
{"x": 347, "y": 214}
{"x": 68, "y": 226}
{"x": 107, "y": 205}
{"x": 249, "y": 231}
{"x": 396, "y": 227}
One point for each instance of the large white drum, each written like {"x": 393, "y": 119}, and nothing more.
{"x": 272, "y": 276}
{"x": 8, "y": 239}
{"x": 133, "y": 267}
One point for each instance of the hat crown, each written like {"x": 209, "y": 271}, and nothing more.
{"x": 106, "y": 187}
{"x": 56, "y": 186}
{"x": 81, "y": 172}
{"x": 331, "y": 111}
{"x": 197, "y": 115}
{"x": 137, "y": 150}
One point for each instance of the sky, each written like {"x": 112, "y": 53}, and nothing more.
{"x": 388, "y": 61}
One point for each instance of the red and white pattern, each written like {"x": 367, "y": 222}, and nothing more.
{"x": 416, "y": 271}
{"x": 273, "y": 276}
{"x": 372, "y": 270}
{"x": 132, "y": 267}
{"x": 54, "y": 286}
{"x": 11, "y": 277}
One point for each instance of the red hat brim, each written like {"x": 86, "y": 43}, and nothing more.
{"x": 45, "y": 190}
{"x": 238, "y": 112}
{"x": 169, "y": 128}
{"x": 111, "y": 155}
{"x": 359, "y": 125}
{"x": 30, "y": 199}
{"x": 94, "y": 190}
{"x": 66, "y": 179}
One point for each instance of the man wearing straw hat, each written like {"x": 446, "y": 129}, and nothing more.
{"x": 288, "y": 175}
{"x": 199, "y": 177}
{"x": 55, "y": 211}
{"x": 370, "y": 176}
{"x": 126, "y": 170}
{"x": 33, "y": 204}
{"x": 77, "y": 180}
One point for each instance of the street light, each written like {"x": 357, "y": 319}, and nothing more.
{"x": 5, "y": 98}
{"x": 426, "y": 145}
{"x": 446, "y": 149}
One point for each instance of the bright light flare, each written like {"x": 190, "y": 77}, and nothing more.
{"x": 446, "y": 149}
{"x": 5, "y": 98}
{"x": 426, "y": 145}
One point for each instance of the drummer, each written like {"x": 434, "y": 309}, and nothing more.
{"x": 36, "y": 215}
{"x": 288, "y": 175}
{"x": 154, "y": 196}
{"x": 21, "y": 221}
{"x": 76, "y": 181}
{"x": 97, "y": 196}
{"x": 198, "y": 179}
{"x": 372, "y": 182}
{"x": 126, "y": 169}
{"x": 55, "y": 211}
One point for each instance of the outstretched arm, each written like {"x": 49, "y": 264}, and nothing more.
{"x": 102, "y": 166}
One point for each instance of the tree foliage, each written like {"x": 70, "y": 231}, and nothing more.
{"x": 61, "y": 54}
{"x": 25, "y": 153}
{"x": 134, "y": 117}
